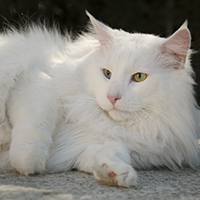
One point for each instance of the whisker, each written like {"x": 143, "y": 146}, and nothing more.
{"x": 155, "y": 109}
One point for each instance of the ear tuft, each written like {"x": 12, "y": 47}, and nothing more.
{"x": 178, "y": 44}
{"x": 184, "y": 25}
{"x": 103, "y": 32}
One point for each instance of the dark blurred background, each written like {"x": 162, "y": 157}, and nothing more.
{"x": 161, "y": 17}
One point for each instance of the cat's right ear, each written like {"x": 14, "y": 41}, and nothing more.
{"x": 103, "y": 32}
{"x": 177, "y": 45}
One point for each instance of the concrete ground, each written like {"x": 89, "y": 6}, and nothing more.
{"x": 153, "y": 184}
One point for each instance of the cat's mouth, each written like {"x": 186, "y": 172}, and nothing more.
{"x": 114, "y": 109}
{"x": 117, "y": 110}
{"x": 118, "y": 114}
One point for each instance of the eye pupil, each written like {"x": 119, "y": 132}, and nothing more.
{"x": 107, "y": 73}
{"x": 139, "y": 77}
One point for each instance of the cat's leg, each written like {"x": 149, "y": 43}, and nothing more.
{"x": 29, "y": 148}
{"x": 110, "y": 163}
{"x": 32, "y": 114}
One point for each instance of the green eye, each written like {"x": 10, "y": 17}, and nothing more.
{"x": 107, "y": 73}
{"x": 139, "y": 77}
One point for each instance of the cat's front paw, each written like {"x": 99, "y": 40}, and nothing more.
{"x": 120, "y": 174}
{"x": 27, "y": 158}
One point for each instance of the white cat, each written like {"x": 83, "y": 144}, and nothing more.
{"x": 106, "y": 103}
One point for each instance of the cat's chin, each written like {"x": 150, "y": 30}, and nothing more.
{"x": 119, "y": 115}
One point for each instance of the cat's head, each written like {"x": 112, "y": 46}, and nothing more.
{"x": 131, "y": 75}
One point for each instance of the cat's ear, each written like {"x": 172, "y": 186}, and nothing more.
{"x": 178, "y": 44}
{"x": 103, "y": 32}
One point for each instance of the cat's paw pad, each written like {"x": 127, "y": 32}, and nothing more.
{"x": 120, "y": 174}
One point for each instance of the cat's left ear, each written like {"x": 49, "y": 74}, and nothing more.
{"x": 103, "y": 32}
{"x": 178, "y": 44}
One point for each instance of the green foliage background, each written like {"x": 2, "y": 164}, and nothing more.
{"x": 161, "y": 17}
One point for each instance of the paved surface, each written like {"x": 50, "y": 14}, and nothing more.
{"x": 153, "y": 184}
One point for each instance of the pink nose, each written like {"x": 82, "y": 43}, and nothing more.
{"x": 113, "y": 98}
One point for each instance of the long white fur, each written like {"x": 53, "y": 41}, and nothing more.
{"x": 55, "y": 114}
